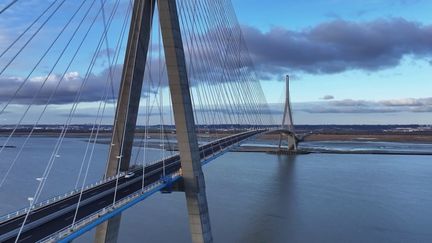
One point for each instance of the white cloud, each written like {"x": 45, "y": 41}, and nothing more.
{"x": 407, "y": 102}
{"x": 365, "y": 106}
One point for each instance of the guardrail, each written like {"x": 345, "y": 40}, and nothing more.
{"x": 61, "y": 234}
{"x": 54, "y": 199}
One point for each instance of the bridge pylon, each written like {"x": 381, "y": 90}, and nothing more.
{"x": 127, "y": 112}
{"x": 287, "y": 128}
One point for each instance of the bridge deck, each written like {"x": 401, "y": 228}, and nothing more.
{"x": 46, "y": 220}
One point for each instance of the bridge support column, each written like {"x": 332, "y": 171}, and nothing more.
{"x": 292, "y": 143}
{"x": 194, "y": 185}
{"x": 287, "y": 122}
{"x": 128, "y": 104}
{"x": 127, "y": 112}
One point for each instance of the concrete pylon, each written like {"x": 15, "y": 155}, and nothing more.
{"x": 127, "y": 105}
{"x": 287, "y": 121}
{"x": 199, "y": 220}
{"x": 127, "y": 112}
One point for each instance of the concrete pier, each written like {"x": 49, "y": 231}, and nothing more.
{"x": 127, "y": 112}
{"x": 128, "y": 104}
{"x": 194, "y": 185}
{"x": 287, "y": 130}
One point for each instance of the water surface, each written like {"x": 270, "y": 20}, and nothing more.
{"x": 257, "y": 197}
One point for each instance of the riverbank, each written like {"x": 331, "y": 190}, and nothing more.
{"x": 411, "y": 138}
{"x": 275, "y": 150}
{"x": 378, "y": 137}
{"x": 383, "y": 137}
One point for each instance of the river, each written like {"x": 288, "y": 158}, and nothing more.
{"x": 256, "y": 197}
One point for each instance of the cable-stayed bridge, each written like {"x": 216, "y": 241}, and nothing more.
{"x": 96, "y": 201}
{"x": 185, "y": 63}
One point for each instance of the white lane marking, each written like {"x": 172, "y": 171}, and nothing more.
{"x": 25, "y": 238}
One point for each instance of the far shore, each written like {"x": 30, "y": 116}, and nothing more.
{"x": 399, "y": 137}
{"x": 411, "y": 138}
{"x": 108, "y": 134}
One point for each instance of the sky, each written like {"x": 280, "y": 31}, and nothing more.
{"x": 350, "y": 62}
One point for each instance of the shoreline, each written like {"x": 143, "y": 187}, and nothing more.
{"x": 321, "y": 137}
{"x": 302, "y": 151}
{"x": 374, "y": 137}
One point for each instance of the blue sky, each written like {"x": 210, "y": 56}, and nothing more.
{"x": 298, "y": 15}
{"x": 408, "y": 78}
{"x": 351, "y": 62}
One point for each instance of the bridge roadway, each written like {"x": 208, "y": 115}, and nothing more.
{"x": 53, "y": 217}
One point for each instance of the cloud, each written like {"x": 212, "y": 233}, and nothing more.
{"x": 350, "y": 102}
{"x": 408, "y": 102}
{"x": 422, "y": 109}
{"x": 92, "y": 91}
{"x": 327, "y": 97}
{"x": 330, "y": 47}
{"x": 338, "y": 46}
{"x": 363, "y": 106}
{"x": 63, "y": 93}
{"x": 348, "y": 109}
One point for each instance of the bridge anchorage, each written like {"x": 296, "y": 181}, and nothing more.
{"x": 287, "y": 130}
